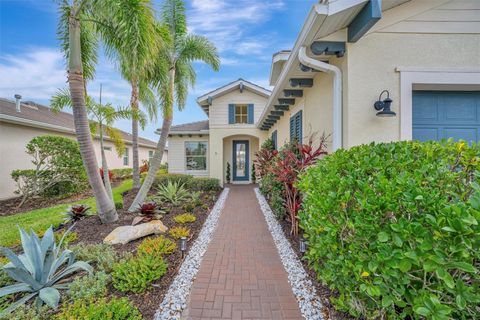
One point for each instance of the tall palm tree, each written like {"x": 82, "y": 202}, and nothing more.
{"x": 178, "y": 53}
{"x": 81, "y": 24}
{"x": 102, "y": 117}
{"x": 134, "y": 48}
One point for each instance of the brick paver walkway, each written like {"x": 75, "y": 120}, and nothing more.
{"x": 241, "y": 275}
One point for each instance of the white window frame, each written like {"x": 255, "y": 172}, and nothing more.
{"x": 206, "y": 155}
{"x": 442, "y": 79}
{"x": 107, "y": 148}
{"x": 150, "y": 155}
{"x": 241, "y": 114}
{"x": 126, "y": 157}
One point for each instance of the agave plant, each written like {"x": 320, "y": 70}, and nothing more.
{"x": 172, "y": 192}
{"x": 148, "y": 211}
{"x": 41, "y": 271}
{"x": 77, "y": 212}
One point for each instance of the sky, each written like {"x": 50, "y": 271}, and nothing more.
{"x": 245, "y": 32}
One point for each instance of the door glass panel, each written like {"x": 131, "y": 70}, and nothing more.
{"x": 240, "y": 159}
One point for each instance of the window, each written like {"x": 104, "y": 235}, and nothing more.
{"x": 196, "y": 155}
{"x": 150, "y": 155}
{"x": 107, "y": 148}
{"x": 296, "y": 127}
{"x": 125, "y": 157}
{"x": 241, "y": 113}
{"x": 274, "y": 139}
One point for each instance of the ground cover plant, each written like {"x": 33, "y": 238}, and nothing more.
{"x": 185, "y": 218}
{"x": 394, "y": 229}
{"x": 179, "y": 232}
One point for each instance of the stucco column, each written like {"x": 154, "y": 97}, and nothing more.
{"x": 216, "y": 157}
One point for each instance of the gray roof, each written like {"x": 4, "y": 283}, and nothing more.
{"x": 34, "y": 112}
{"x": 191, "y": 127}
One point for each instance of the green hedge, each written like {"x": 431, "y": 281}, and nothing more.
{"x": 393, "y": 228}
{"x": 190, "y": 182}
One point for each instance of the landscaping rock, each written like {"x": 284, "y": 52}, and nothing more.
{"x": 126, "y": 234}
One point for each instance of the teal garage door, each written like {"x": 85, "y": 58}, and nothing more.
{"x": 446, "y": 114}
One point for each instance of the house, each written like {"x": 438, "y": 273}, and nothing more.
{"x": 360, "y": 71}
{"x": 21, "y": 121}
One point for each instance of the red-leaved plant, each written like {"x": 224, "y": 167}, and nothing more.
{"x": 110, "y": 174}
{"x": 77, "y": 212}
{"x": 288, "y": 167}
{"x": 148, "y": 211}
{"x": 145, "y": 166}
{"x": 264, "y": 160}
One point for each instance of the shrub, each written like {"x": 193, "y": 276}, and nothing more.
{"x": 57, "y": 161}
{"x": 156, "y": 246}
{"x": 204, "y": 184}
{"x": 172, "y": 192}
{"x": 29, "y": 312}
{"x": 100, "y": 309}
{"x": 228, "y": 173}
{"x": 41, "y": 271}
{"x": 137, "y": 273}
{"x": 121, "y": 174}
{"x": 394, "y": 228}
{"x": 145, "y": 166}
{"x": 77, "y": 212}
{"x": 185, "y": 218}
{"x": 110, "y": 174}
{"x": 89, "y": 286}
{"x": 178, "y": 232}
{"x": 102, "y": 256}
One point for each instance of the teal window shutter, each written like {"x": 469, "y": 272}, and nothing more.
{"x": 250, "y": 113}
{"x": 299, "y": 126}
{"x": 292, "y": 129}
{"x": 231, "y": 113}
{"x": 274, "y": 139}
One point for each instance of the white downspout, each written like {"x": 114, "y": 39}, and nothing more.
{"x": 337, "y": 92}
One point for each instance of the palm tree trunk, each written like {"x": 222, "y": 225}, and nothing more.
{"x": 105, "y": 207}
{"x": 106, "y": 176}
{"x": 157, "y": 157}
{"x": 135, "y": 160}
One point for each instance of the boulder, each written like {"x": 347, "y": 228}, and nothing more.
{"x": 126, "y": 234}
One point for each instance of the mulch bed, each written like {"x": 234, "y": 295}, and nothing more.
{"x": 10, "y": 206}
{"x": 322, "y": 291}
{"x": 91, "y": 230}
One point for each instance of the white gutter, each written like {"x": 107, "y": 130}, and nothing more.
{"x": 337, "y": 92}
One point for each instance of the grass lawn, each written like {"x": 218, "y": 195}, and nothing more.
{"x": 41, "y": 219}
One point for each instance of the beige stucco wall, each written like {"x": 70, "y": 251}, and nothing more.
{"x": 423, "y": 35}
{"x": 176, "y": 155}
{"x": 14, "y": 138}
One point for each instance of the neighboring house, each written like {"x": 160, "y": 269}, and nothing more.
{"x": 19, "y": 126}
{"x": 425, "y": 53}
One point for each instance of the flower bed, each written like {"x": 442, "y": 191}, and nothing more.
{"x": 131, "y": 278}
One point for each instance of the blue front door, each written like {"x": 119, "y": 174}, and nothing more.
{"x": 240, "y": 160}
{"x": 446, "y": 114}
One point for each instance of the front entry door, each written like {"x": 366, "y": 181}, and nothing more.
{"x": 240, "y": 160}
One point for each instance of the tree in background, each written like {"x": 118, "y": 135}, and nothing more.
{"x": 102, "y": 117}
{"x": 177, "y": 55}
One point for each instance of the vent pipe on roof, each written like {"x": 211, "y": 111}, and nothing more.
{"x": 17, "y": 102}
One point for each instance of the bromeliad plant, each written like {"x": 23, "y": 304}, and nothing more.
{"x": 77, "y": 212}
{"x": 148, "y": 211}
{"x": 41, "y": 271}
{"x": 289, "y": 165}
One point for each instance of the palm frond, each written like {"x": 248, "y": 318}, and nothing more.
{"x": 148, "y": 99}
{"x": 173, "y": 16}
{"x": 60, "y": 100}
{"x": 198, "y": 48}
{"x": 116, "y": 136}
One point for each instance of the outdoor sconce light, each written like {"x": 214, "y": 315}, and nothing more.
{"x": 303, "y": 246}
{"x": 384, "y": 106}
{"x": 183, "y": 246}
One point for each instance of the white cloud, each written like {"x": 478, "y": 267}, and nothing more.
{"x": 35, "y": 74}
{"x": 227, "y": 23}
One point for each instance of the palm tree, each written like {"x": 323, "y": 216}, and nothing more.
{"x": 102, "y": 117}
{"x": 177, "y": 54}
{"x": 135, "y": 46}
{"x": 82, "y": 23}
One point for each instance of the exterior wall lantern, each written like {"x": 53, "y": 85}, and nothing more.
{"x": 384, "y": 106}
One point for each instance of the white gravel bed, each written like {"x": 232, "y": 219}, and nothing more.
{"x": 308, "y": 300}
{"x": 175, "y": 301}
